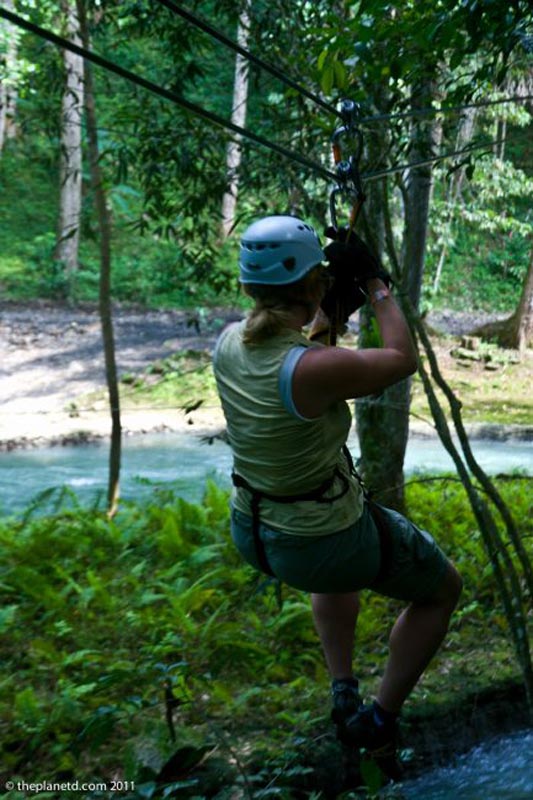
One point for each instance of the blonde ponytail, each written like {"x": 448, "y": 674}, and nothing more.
{"x": 274, "y": 305}
{"x": 265, "y": 321}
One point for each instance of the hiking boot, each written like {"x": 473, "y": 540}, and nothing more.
{"x": 346, "y": 700}
{"x": 379, "y": 742}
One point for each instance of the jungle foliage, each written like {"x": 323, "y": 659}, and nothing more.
{"x": 145, "y": 651}
{"x": 166, "y": 170}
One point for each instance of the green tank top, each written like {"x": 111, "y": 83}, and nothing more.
{"x": 277, "y": 451}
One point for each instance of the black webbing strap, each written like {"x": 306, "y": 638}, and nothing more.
{"x": 378, "y": 517}
{"x": 257, "y": 495}
{"x": 385, "y": 540}
{"x": 260, "y": 551}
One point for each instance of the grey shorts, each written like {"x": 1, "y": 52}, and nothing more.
{"x": 350, "y": 560}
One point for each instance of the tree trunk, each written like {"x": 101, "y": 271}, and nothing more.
{"x": 383, "y": 422}
{"x": 70, "y": 171}
{"x": 238, "y": 117}
{"x": 106, "y": 317}
{"x": 8, "y": 88}
{"x": 465, "y": 135}
{"x": 516, "y": 332}
{"x": 425, "y": 136}
{"x": 381, "y": 441}
{"x": 501, "y": 133}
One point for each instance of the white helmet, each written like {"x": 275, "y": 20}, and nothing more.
{"x": 278, "y": 250}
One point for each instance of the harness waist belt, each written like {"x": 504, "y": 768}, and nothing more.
{"x": 257, "y": 495}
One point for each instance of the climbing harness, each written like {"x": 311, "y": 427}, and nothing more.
{"x": 317, "y": 495}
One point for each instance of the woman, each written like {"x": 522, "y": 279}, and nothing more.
{"x": 298, "y": 510}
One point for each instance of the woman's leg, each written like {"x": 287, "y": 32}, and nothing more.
{"x": 414, "y": 640}
{"x": 335, "y": 617}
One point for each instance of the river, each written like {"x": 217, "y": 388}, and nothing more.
{"x": 500, "y": 769}
{"x": 187, "y": 462}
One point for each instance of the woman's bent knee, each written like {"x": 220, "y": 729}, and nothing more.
{"x": 449, "y": 590}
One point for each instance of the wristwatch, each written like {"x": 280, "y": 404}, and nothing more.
{"x": 378, "y": 296}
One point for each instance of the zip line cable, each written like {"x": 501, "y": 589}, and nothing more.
{"x": 277, "y": 73}
{"x": 215, "y": 119}
{"x": 166, "y": 94}
{"x": 216, "y": 34}
{"x": 369, "y": 176}
{"x": 444, "y": 110}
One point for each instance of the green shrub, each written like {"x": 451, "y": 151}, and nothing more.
{"x": 102, "y": 620}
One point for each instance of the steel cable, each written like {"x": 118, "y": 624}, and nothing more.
{"x": 370, "y": 176}
{"x": 277, "y": 73}
{"x": 215, "y": 119}
{"x": 444, "y": 110}
{"x": 216, "y": 34}
{"x": 132, "y": 77}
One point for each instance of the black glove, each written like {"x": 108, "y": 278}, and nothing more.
{"x": 344, "y": 296}
{"x": 348, "y": 253}
{"x": 351, "y": 265}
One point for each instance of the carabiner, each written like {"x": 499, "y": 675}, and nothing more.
{"x": 356, "y": 200}
{"x": 349, "y": 112}
{"x": 348, "y": 176}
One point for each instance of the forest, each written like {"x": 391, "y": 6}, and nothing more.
{"x": 141, "y": 657}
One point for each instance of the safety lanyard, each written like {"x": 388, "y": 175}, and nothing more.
{"x": 349, "y": 186}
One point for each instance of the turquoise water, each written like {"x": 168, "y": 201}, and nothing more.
{"x": 500, "y": 769}
{"x": 158, "y": 459}
{"x": 187, "y": 462}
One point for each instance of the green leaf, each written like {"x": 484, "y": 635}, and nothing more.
{"x": 99, "y": 727}
{"x": 327, "y": 79}
{"x": 27, "y": 706}
{"x": 456, "y": 59}
{"x": 182, "y": 761}
{"x": 7, "y": 617}
{"x": 340, "y": 74}
{"x": 321, "y": 60}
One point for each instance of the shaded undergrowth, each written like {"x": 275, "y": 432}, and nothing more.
{"x": 143, "y": 650}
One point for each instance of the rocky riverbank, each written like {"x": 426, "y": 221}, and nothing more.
{"x": 52, "y": 357}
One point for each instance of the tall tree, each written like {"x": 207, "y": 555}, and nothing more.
{"x": 454, "y": 183}
{"x": 382, "y": 467}
{"x": 70, "y": 173}
{"x": 8, "y": 85}
{"x": 238, "y": 117}
{"x": 105, "y": 308}
{"x": 410, "y": 48}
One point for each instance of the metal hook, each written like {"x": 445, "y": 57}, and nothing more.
{"x": 349, "y": 111}
{"x": 348, "y": 175}
{"x": 333, "y": 206}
